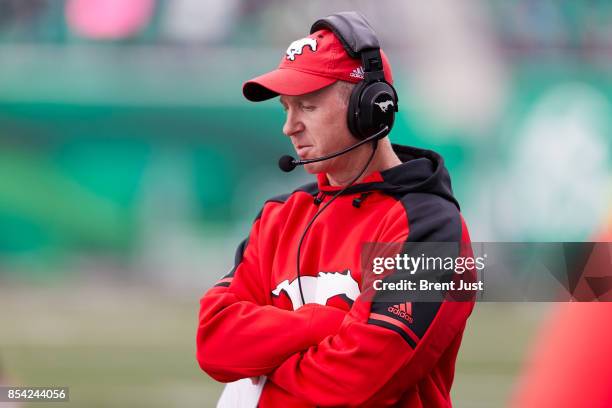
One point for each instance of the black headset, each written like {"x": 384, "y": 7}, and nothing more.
{"x": 373, "y": 102}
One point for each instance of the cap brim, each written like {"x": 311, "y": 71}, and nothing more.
{"x": 283, "y": 81}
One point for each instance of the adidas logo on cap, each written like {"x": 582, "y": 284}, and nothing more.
{"x": 357, "y": 73}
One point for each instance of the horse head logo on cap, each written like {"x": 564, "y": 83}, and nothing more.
{"x": 297, "y": 47}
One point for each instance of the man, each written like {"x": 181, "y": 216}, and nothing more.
{"x": 319, "y": 340}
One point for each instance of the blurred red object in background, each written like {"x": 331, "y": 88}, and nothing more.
{"x": 571, "y": 362}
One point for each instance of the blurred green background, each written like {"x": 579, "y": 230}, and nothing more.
{"x": 131, "y": 167}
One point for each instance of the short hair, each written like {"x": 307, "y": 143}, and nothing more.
{"x": 345, "y": 89}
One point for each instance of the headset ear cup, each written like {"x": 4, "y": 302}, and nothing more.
{"x": 352, "y": 114}
{"x": 385, "y": 100}
{"x": 376, "y": 108}
{"x": 365, "y": 114}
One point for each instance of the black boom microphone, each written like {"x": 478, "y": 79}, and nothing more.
{"x": 287, "y": 163}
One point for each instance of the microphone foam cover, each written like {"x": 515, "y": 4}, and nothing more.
{"x": 286, "y": 163}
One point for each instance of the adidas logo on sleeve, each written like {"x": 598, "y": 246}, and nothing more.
{"x": 403, "y": 310}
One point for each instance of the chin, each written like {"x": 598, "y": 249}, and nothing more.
{"x": 315, "y": 168}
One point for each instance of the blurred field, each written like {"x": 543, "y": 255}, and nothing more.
{"x": 113, "y": 346}
{"x": 134, "y": 347}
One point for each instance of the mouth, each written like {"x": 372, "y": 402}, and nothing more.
{"x": 302, "y": 151}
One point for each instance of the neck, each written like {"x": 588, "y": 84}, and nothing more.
{"x": 384, "y": 159}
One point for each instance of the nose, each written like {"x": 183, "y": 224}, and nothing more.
{"x": 293, "y": 124}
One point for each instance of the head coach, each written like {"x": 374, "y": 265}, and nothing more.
{"x": 288, "y": 326}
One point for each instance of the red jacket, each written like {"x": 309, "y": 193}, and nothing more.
{"x": 347, "y": 350}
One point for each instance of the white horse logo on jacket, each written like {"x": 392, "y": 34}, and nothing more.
{"x": 319, "y": 289}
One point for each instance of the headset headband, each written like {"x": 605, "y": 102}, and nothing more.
{"x": 358, "y": 39}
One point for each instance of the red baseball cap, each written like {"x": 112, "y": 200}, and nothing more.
{"x": 310, "y": 64}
